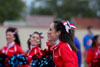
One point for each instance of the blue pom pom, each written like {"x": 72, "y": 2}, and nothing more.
{"x": 42, "y": 62}
{"x": 17, "y": 60}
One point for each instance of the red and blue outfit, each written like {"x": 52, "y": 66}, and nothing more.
{"x": 63, "y": 55}
{"x": 93, "y": 53}
{"x": 34, "y": 50}
{"x": 11, "y": 49}
{"x": 87, "y": 41}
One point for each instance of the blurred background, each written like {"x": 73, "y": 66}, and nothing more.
{"x": 36, "y": 15}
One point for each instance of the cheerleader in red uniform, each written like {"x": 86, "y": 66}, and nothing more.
{"x": 62, "y": 45}
{"x": 93, "y": 54}
{"x": 34, "y": 44}
{"x": 13, "y": 44}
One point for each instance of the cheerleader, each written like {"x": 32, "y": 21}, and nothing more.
{"x": 61, "y": 42}
{"x": 34, "y": 51}
{"x": 13, "y": 46}
{"x": 94, "y": 52}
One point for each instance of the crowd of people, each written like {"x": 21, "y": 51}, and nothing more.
{"x": 64, "y": 49}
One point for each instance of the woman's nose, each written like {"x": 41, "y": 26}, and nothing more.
{"x": 48, "y": 32}
{"x": 7, "y": 36}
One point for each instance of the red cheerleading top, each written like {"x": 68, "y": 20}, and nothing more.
{"x": 64, "y": 56}
{"x": 34, "y": 50}
{"x": 11, "y": 49}
{"x": 92, "y": 53}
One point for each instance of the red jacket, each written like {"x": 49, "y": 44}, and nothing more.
{"x": 29, "y": 54}
{"x": 10, "y": 50}
{"x": 13, "y": 49}
{"x": 64, "y": 56}
{"x": 92, "y": 53}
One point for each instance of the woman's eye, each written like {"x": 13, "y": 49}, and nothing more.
{"x": 33, "y": 37}
{"x": 50, "y": 29}
{"x": 8, "y": 35}
{"x": 37, "y": 38}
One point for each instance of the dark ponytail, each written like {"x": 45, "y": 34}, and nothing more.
{"x": 65, "y": 37}
{"x": 15, "y": 33}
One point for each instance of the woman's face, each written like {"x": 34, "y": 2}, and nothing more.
{"x": 10, "y": 37}
{"x": 52, "y": 34}
{"x": 35, "y": 40}
{"x": 98, "y": 40}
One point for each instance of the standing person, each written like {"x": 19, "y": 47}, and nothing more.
{"x": 94, "y": 53}
{"x": 87, "y": 40}
{"x": 61, "y": 41}
{"x": 33, "y": 44}
{"x": 77, "y": 43}
{"x": 13, "y": 46}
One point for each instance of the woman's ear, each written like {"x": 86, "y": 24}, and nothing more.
{"x": 58, "y": 33}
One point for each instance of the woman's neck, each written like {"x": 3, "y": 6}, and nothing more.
{"x": 10, "y": 44}
{"x": 56, "y": 42}
{"x": 33, "y": 46}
